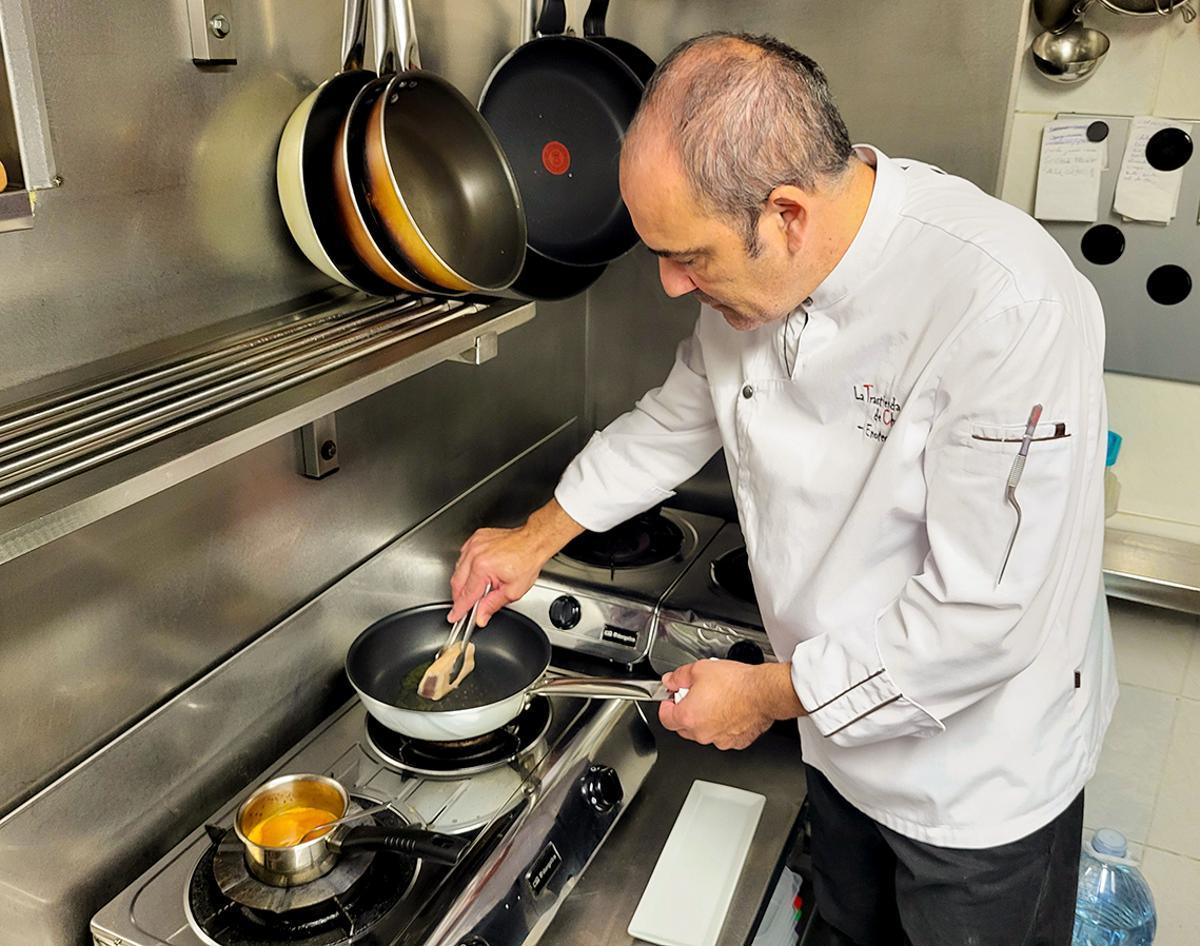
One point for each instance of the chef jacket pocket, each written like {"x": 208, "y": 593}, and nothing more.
{"x": 992, "y": 448}
{"x": 975, "y": 476}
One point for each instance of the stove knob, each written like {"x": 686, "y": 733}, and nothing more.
{"x": 602, "y": 788}
{"x": 565, "y": 612}
{"x": 745, "y": 652}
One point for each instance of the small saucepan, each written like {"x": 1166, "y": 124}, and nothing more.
{"x": 387, "y": 660}
{"x": 276, "y": 815}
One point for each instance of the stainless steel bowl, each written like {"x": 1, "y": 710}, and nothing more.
{"x": 1069, "y": 56}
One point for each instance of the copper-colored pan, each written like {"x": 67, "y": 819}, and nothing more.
{"x": 355, "y": 215}
{"x": 443, "y": 195}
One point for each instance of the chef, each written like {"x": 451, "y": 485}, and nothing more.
{"x": 905, "y": 375}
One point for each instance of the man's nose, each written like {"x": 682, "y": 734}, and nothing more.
{"x": 675, "y": 279}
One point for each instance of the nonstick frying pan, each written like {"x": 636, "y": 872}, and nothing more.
{"x": 442, "y": 192}
{"x": 560, "y": 106}
{"x": 544, "y": 278}
{"x": 640, "y": 64}
{"x": 302, "y": 166}
{"x": 387, "y": 660}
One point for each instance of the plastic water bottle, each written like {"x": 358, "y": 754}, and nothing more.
{"x": 1114, "y": 906}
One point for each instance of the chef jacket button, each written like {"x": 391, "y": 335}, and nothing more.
{"x": 807, "y": 302}
{"x": 748, "y": 391}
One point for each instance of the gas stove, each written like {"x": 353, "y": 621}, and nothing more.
{"x": 536, "y": 799}
{"x": 712, "y": 611}
{"x": 598, "y": 596}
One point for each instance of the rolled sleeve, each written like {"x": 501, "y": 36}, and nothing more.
{"x": 852, "y": 700}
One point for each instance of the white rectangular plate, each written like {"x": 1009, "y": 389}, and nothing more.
{"x": 688, "y": 895}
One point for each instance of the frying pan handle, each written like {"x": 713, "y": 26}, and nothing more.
{"x": 553, "y": 19}
{"x": 593, "y": 20}
{"x": 603, "y": 688}
{"x": 354, "y": 34}
{"x": 439, "y": 848}
{"x": 395, "y": 37}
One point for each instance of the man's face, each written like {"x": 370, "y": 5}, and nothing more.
{"x": 701, "y": 254}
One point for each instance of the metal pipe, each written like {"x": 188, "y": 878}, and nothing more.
{"x": 199, "y": 407}
{"x": 62, "y": 405}
{"x": 55, "y": 426}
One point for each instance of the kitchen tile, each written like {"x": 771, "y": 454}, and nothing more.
{"x": 1180, "y": 73}
{"x": 1020, "y": 167}
{"x": 1121, "y": 794}
{"x": 1176, "y": 823}
{"x": 1175, "y": 883}
{"x": 1125, "y": 83}
{"x": 1152, "y": 644}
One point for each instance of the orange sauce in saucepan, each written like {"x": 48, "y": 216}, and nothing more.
{"x": 286, "y": 828}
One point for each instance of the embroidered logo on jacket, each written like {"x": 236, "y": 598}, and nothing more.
{"x": 880, "y": 412}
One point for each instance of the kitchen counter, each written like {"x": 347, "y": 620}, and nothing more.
{"x": 598, "y": 911}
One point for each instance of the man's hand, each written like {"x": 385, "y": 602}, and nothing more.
{"x": 728, "y": 704}
{"x": 509, "y": 559}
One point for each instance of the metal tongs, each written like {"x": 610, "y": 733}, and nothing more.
{"x": 1014, "y": 477}
{"x": 464, "y": 627}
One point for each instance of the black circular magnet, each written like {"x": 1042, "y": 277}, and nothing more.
{"x": 1102, "y": 244}
{"x": 1169, "y": 285}
{"x": 1097, "y": 131}
{"x": 1169, "y": 149}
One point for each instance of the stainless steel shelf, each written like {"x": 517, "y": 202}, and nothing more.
{"x": 1152, "y": 570}
{"x": 73, "y": 457}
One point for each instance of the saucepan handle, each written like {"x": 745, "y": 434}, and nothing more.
{"x": 439, "y": 848}
{"x": 602, "y": 688}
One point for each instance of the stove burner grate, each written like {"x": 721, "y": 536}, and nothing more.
{"x": 341, "y": 917}
{"x": 465, "y": 756}
{"x": 648, "y": 539}
{"x": 731, "y": 572}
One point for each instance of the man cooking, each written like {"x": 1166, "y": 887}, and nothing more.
{"x": 906, "y": 377}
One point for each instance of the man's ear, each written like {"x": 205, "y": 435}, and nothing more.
{"x": 787, "y": 209}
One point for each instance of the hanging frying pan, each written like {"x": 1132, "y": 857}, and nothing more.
{"x": 443, "y": 195}
{"x": 560, "y": 106}
{"x": 544, "y": 278}
{"x": 356, "y": 217}
{"x": 387, "y": 660}
{"x": 306, "y": 150}
{"x": 640, "y": 64}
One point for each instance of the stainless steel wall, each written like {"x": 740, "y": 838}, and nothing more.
{"x": 166, "y": 220}
{"x": 927, "y": 80}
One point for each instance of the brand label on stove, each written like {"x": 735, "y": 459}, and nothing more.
{"x": 544, "y": 868}
{"x": 618, "y": 635}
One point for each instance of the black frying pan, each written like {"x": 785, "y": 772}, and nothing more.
{"x": 387, "y": 660}
{"x": 640, "y": 64}
{"x": 560, "y": 106}
{"x": 544, "y": 278}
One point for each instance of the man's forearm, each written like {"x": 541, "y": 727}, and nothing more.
{"x": 778, "y": 696}
{"x": 549, "y": 528}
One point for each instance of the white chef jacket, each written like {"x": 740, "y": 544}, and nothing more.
{"x": 953, "y": 707}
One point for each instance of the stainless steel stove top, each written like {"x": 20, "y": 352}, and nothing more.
{"x": 535, "y": 823}
{"x": 710, "y": 611}
{"x": 609, "y": 611}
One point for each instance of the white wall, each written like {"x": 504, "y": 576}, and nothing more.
{"x": 1145, "y": 786}
{"x": 1152, "y": 68}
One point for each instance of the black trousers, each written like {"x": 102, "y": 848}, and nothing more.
{"x": 878, "y": 888}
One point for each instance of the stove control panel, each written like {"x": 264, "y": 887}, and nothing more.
{"x": 590, "y": 622}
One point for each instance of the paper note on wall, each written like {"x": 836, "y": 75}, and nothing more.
{"x": 1143, "y": 192}
{"x": 1069, "y": 170}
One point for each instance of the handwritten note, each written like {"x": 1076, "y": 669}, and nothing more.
{"x": 1069, "y": 169}
{"x": 1143, "y": 192}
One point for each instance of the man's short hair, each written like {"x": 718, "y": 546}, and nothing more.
{"x": 746, "y": 114}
